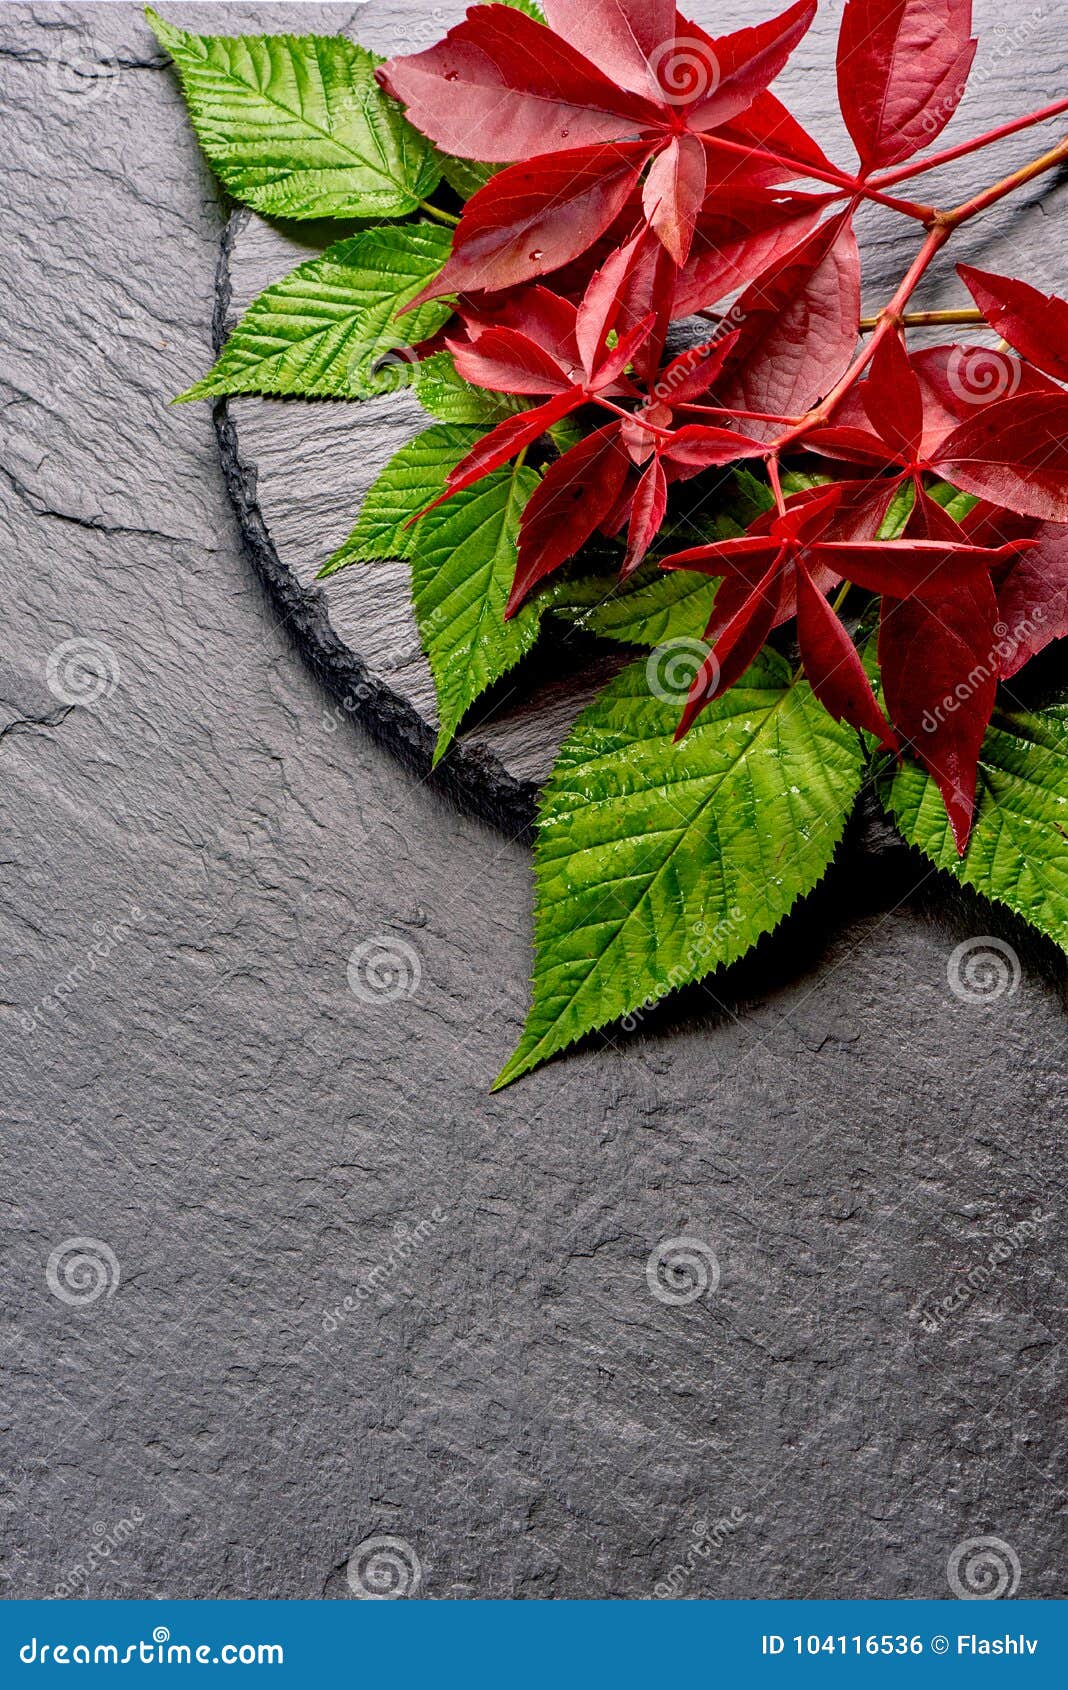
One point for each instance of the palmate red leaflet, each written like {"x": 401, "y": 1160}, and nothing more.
{"x": 902, "y": 70}
{"x": 1035, "y": 323}
{"x": 644, "y": 167}
{"x": 505, "y": 89}
{"x": 797, "y": 325}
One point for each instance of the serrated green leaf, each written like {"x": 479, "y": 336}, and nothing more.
{"x": 668, "y": 606}
{"x": 752, "y": 497}
{"x": 657, "y": 863}
{"x": 1018, "y": 852}
{"x": 463, "y": 564}
{"x": 330, "y": 329}
{"x": 413, "y": 478}
{"x": 297, "y": 126}
{"x": 465, "y": 177}
{"x": 445, "y": 395}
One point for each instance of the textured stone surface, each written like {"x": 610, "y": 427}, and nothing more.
{"x": 213, "y": 1103}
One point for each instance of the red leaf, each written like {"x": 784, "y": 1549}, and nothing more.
{"x": 1035, "y": 323}
{"x": 727, "y": 557}
{"x": 506, "y": 361}
{"x": 573, "y": 498}
{"x": 904, "y": 568}
{"x": 501, "y": 87}
{"x": 646, "y": 516}
{"x": 536, "y": 217}
{"x": 737, "y": 645}
{"x": 622, "y": 36}
{"x": 1014, "y": 453}
{"x": 799, "y": 325}
{"x": 673, "y": 193}
{"x": 504, "y": 442}
{"x": 892, "y": 398}
{"x": 955, "y": 382}
{"x": 694, "y": 448}
{"x": 768, "y": 124}
{"x": 902, "y": 69}
{"x": 1033, "y": 592}
{"x": 689, "y": 376}
{"x": 603, "y": 301}
{"x": 738, "y": 237}
{"x": 734, "y": 68}
{"x": 940, "y": 673}
{"x": 834, "y": 670}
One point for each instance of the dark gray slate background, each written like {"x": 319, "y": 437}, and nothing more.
{"x": 214, "y": 1104}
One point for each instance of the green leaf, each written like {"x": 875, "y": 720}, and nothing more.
{"x": 329, "y": 328}
{"x": 465, "y": 177}
{"x": 463, "y": 564}
{"x": 296, "y": 125}
{"x": 958, "y": 504}
{"x": 413, "y": 478}
{"x": 657, "y": 863}
{"x": 463, "y": 558}
{"x": 444, "y": 393}
{"x": 1018, "y": 852}
{"x": 894, "y": 522}
{"x": 671, "y": 606}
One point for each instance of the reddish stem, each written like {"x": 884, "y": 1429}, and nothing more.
{"x": 631, "y": 416}
{"x": 888, "y": 321}
{"x": 904, "y": 172}
{"x": 891, "y": 318}
{"x": 775, "y": 478}
{"x": 990, "y": 196}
